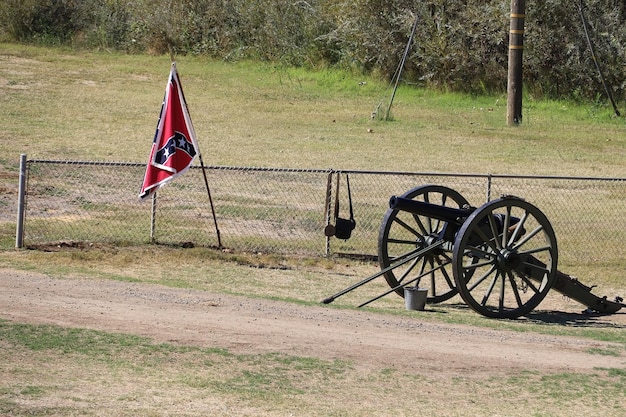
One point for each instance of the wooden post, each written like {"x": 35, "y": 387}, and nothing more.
{"x": 516, "y": 47}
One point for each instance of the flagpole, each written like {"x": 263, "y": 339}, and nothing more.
{"x": 206, "y": 181}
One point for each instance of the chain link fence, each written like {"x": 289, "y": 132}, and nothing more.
{"x": 285, "y": 211}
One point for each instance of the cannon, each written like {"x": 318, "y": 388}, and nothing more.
{"x": 501, "y": 258}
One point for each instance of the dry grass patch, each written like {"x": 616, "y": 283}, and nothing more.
{"x": 82, "y": 372}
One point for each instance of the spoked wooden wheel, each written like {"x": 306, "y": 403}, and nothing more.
{"x": 402, "y": 234}
{"x": 505, "y": 258}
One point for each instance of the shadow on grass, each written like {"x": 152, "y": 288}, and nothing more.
{"x": 583, "y": 319}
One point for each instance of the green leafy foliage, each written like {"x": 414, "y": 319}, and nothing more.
{"x": 458, "y": 46}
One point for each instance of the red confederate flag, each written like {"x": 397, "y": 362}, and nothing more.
{"x": 174, "y": 147}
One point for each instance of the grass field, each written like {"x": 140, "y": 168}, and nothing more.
{"x": 101, "y": 106}
{"x": 62, "y": 104}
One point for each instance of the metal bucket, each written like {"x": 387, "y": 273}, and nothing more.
{"x": 415, "y": 298}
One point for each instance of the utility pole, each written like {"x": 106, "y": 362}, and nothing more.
{"x": 516, "y": 48}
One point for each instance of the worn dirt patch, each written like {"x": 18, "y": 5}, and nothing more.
{"x": 246, "y": 325}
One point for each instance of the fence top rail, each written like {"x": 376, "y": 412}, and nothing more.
{"x": 343, "y": 171}
{"x": 100, "y": 163}
{"x": 266, "y": 169}
{"x": 475, "y": 175}
{"x": 143, "y": 164}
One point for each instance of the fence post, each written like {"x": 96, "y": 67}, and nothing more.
{"x": 329, "y": 192}
{"x": 21, "y": 198}
{"x": 153, "y": 217}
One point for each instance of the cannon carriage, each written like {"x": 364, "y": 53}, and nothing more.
{"x": 501, "y": 258}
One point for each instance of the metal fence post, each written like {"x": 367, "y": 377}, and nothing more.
{"x": 329, "y": 192}
{"x": 21, "y": 198}
{"x": 153, "y": 217}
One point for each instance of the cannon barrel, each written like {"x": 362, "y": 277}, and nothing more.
{"x": 447, "y": 214}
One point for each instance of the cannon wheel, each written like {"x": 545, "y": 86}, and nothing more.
{"x": 505, "y": 258}
{"x": 402, "y": 233}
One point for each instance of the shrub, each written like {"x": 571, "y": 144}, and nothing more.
{"x": 460, "y": 45}
{"x": 558, "y": 61}
{"x": 52, "y": 22}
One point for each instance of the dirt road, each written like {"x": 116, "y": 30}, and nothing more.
{"x": 247, "y": 325}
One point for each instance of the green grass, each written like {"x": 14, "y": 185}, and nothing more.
{"x": 78, "y": 369}
{"x": 65, "y": 341}
{"x": 64, "y": 104}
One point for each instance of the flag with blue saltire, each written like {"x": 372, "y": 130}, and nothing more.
{"x": 174, "y": 148}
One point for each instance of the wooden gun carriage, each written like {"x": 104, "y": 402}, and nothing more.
{"x": 501, "y": 258}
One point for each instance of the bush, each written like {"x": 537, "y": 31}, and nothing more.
{"x": 558, "y": 61}
{"x": 463, "y": 45}
{"x": 460, "y": 45}
{"x": 111, "y": 26}
{"x": 41, "y": 21}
